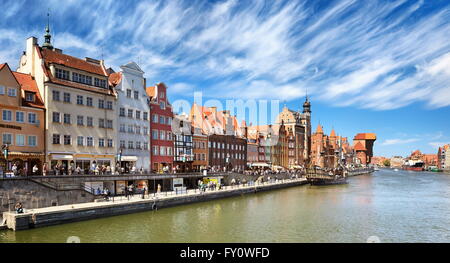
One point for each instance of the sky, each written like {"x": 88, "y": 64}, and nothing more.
{"x": 367, "y": 66}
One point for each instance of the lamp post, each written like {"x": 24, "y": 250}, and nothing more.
{"x": 5, "y": 150}
{"x": 119, "y": 159}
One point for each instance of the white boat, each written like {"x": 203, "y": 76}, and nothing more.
{"x": 395, "y": 170}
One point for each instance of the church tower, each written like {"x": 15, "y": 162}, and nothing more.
{"x": 48, "y": 37}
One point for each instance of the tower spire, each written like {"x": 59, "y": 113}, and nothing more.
{"x": 48, "y": 37}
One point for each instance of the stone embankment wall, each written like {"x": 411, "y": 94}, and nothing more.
{"x": 33, "y": 195}
{"x": 73, "y": 214}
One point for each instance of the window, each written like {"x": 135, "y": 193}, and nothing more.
{"x": 101, "y": 123}
{"x": 66, "y": 97}
{"x": 89, "y": 101}
{"x": 55, "y": 94}
{"x": 32, "y": 118}
{"x": 66, "y": 118}
{"x": 122, "y": 144}
{"x": 145, "y": 145}
{"x": 80, "y": 140}
{"x": 2, "y": 90}
{"x": 162, "y": 151}
{"x": 169, "y": 151}
{"x": 101, "y": 142}
{"x": 138, "y": 129}
{"x": 128, "y": 93}
{"x": 56, "y": 139}
{"x": 109, "y": 124}
{"x": 56, "y": 117}
{"x": 145, "y": 130}
{"x": 110, "y": 143}
{"x": 7, "y": 138}
{"x": 168, "y": 121}
{"x": 122, "y": 128}
{"x": 101, "y": 104}
{"x": 109, "y": 105}
{"x": 155, "y": 118}
{"x": 161, "y": 95}
{"x": 162, "y": 120}
{"x": 89, "y": 141}
{"x": 7, "y": 115}
{"x": 138, "y": 145}
{"x": 67, "y": 140}
{"x": 20, "y": 116}
{"x": 155, "y": 150}
{"x": 130, "y": 113}
{"x": 12, "y": 92}
{"x": 122, "y": 112}
{"x": 130, "y": 145}
{"x": 162, "y": 135}
{"x": 155, "y": 134}
{"x": 100, "y": 83}
{"x": 62, "y": 74}
{"x": 130, "y": 128}
{"x": 32, "y": 140}
{"x": 136, "y": 95}
{"x": 145, "y": 116}
{"x": 169, "y": 136}
{"x": 162, "y": 105}
{"x": 138, "y": 115}
{"x": 79, "y": 100}
{"x": 29, "y": 96}
{"x": 80, "y": 120}
{"x": 90, "y": 122}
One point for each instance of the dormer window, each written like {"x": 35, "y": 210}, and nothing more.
{"x": 162, "y": 95}
{"x": 62, "y": 74}
{"x": 29, "y": 96}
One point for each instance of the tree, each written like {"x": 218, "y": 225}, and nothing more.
{"x": 387, "y": 162}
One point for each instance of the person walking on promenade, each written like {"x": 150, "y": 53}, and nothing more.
{"x": 133, "y": 169}
{"x": 44, "y": 169}
{"x": 14, "y": 169}
{"x": 159, "y": 189}
{"x": 131, "y": 190}
{"x": 35, "y": 169}
{"x": 143, "y": 192}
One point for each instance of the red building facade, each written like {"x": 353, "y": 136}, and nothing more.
{"x": 161, "y": 140}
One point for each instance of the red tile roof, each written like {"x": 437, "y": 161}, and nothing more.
{"x": 319, "y": 129}
{"x": 365, "y": 136}
{"x": 359, "y": 147}
{"x": 53, "y": 57}
{"x": 151, "y": 91}
{"x": 2, "y": 65}
{"x": 115, "y": 78}
{"x": 28, "y": 84}
{"x": 333, "y": 133}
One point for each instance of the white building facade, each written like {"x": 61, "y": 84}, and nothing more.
{"x": 133, "y": 120}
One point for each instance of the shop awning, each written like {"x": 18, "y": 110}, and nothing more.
{"x": 277, "y": 167}
{"x": 26, "y": 154}
{"x": 61, "y": 157}
{"x": 260, "y": 165}
{"x": 129, "y": 158}
{"x": 296, "y": 167}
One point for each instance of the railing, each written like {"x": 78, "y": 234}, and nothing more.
{"x": 199, "y": 191}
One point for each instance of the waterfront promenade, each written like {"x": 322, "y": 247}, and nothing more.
{"x": 40, "y": 217}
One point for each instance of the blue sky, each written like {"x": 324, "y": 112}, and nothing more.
{"x": 369, "y": 66}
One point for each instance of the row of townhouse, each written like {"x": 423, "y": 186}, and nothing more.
{"x": 61, "y": 112}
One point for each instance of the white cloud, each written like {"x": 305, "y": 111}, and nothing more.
{"x": 398, "y": 141}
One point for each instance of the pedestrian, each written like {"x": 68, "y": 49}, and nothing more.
{"x": 143, "y": 192}
{"x": 19, "y": 208}
{"x": 14, "y": 169}
{"x": 35, "y": 169}
{"x": 78, "y": 170}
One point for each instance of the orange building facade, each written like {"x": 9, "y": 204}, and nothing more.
{"x": 21, "y": 123}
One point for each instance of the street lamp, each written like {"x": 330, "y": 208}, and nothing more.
{"x": 5, "y": 150}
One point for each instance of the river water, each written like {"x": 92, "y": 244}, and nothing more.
{"x": 388, "y": 206}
